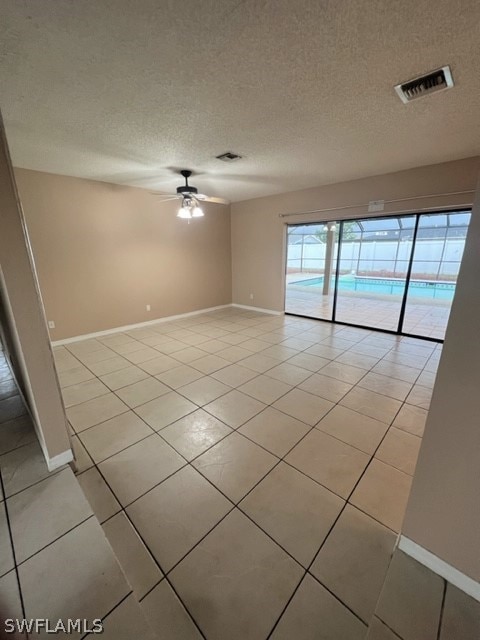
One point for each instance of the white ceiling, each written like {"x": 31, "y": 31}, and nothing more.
{"x": 125, "y": 91}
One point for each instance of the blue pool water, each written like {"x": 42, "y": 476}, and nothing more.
{"x": 418, "y": 288}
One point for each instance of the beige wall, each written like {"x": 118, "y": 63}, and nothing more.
{"x": 258, "y": 233}
{"x": 103, "y": 252}
{"x": 23, "y": 312}
{"x": 443, "y": 512}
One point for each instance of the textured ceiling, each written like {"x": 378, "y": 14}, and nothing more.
{"x": 127, "y": 91}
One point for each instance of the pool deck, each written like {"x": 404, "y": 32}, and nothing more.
{"x": 424, "y": 317}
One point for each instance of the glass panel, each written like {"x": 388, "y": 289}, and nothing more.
{"x": 311, "y": 264}
{"x": 373, "y": 267}
{"x": 436, "y": 262}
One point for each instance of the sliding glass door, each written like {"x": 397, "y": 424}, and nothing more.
{"x": 395, "y": 273}
{"x": 436, "y": 262}
{"x": 372, "y": 270}
{"x": 310, "y": 278}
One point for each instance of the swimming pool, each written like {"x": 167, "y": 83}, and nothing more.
{"x": 418, "y": 288}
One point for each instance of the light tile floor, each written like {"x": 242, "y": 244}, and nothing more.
{"x": 250, "y": 471}
{"x": 55, "y": 562}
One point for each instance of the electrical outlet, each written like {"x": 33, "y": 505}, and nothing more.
{"x": 148, "y": 307}
{"x": 51, "y": 324}
{"x": 251, "y": 296}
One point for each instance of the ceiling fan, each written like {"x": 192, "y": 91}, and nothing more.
{"x": 190, "y": 198}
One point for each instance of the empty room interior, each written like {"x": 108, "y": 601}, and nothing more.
{"x": 240, "y": 320}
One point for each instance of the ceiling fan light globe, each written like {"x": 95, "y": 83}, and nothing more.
{"x": 185, "y": 213}
{"x": 197, "y": 212}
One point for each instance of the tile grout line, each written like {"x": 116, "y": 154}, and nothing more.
{"x": 311, "y": 374}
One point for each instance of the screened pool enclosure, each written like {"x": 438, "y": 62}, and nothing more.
{"x": 395, "y": 273}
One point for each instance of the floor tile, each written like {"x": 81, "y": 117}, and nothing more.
{"x": 313, "y": 610}
{"x": 102, "y": 501}
{"x": 107, "y": 366}
{"x": 125, "y": 622}
{"x": 179, "y": 376}
{"x": 8, "y": 388}
{"x": 92, "y": 412}
{"x": 127, "y": 376}
{"x": 357, "y": 360}
{"x": 343, "y": 372}
{"x": 304, "y": 406}
{"x": 398, "y": 371}
{"x": 159, "y": 364}
{"x": 11, "y": 408}
{"x": 234, "y": 375}
{"x": 235, "y": 465}
{"x": 234, "y": 408}
{"x": 189, "y": 354}
{"x": 167, "y": 615}
{"x": 400, "y": 450}
{"x": 379, "y": 631}
{"x": 411, "y": 419}
{"x": 112, "y": 436}
{"x": 74, "y": 375}
{"x": 78, "y": 393}
{"x": 354, "y": 428}
{"x": 461, "y": 616}
{"x": 22, "y": 467}
{"x": 308, "y": 361}
{"x": 325, "y": 387}
{"x": 265, "y": 389}
{"x": 58, "y": 495}
{"x": 411, "y": 599}
{"x": 245, "y": 590}
{"x": 289, "y": 373}
{"x": 234, "y": 353}
{"x": 354, "y": 560}
{"x": 204, "y": 390}
{"x": 141, "y": 392}
{"x": 96, "y": 575}
{"x": 195, "y": 433}
{"x": 138, "y": 468}
{"x": 294, "y": 510}
{"x": 259, "y": 362}
{"x": 210, "y": 363}
{"x": 6, "y": 555}
{"x": 420, "y": 397}
{"x": 11, "y": 603}
{"x": 174, "y": 516}
{"x": 371, "y": 404}
{"x": 383, "y": 493}
{"x": 334, "y": 464}
{"x": 275, "y": 431}
{"x": 16, "y": 433}
{"x": 163, "y": 411}
{"x": 141, "y": 355}
{"x": 136, "y": 561}
{"x": 391, "y": 387}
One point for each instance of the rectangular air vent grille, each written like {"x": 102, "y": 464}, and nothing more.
{"x": 229, "y": 156}
{"x": 425, "y": 85}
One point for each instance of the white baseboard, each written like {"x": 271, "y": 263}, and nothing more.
{"x": 138, "y": 325}
{"x": 259, "y": 309}
{"x": 437, "y": 565}
{"x": 59, "y": 460}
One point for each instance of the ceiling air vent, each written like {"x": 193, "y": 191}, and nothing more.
{"x": 425, "y": 85}
{"x": 229, "y": 156}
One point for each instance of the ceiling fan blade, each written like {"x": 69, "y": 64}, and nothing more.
{"x": 166, "y": 199}
{"x": 204, "y": 198}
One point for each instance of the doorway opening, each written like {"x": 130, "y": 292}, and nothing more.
{"x": 391, "y": 273}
